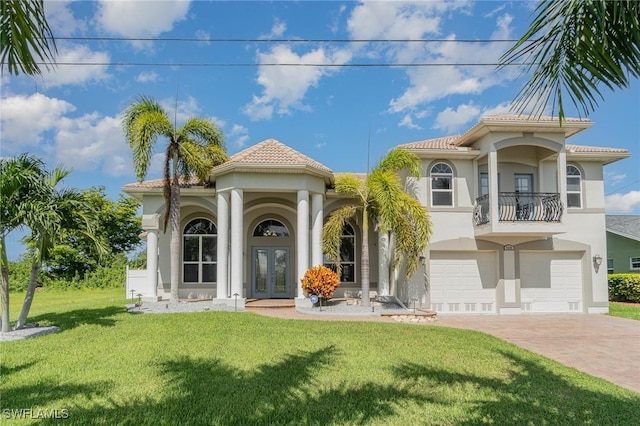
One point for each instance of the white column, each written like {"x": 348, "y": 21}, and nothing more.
{"x": 302, "y": 240}
{"x": 561, "y": 164}
{"x": 494, "y": 197}
{"x": 383, "y": 263}
{"x": 152, "y": 262}
{"x": 317, "y": 213}
{"x": 223, "y": 246}
{"x": 236, "y": 242}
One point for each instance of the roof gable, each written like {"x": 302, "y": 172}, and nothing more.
{"x": 624, "y": 225}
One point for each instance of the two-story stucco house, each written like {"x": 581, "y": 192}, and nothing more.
{"x": 518, "y": 224}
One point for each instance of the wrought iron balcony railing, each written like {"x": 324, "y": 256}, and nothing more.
{"x": 520, "y": 207}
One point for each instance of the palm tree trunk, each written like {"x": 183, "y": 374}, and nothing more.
{"x": 174, "y": 217}
{"x": 366, "y": 285}
{"x": 4, "y": 266}
{"x": 31, "y": 288}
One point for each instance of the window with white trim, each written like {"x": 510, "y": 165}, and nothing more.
{"x": 347, "y": 255}
{"x": 634, "y": 263}
{"x": 441, "y": 185}
{"x": 574, "y": 187}
{"x": 609, "y": 266}
{"x": 199, "y": 252}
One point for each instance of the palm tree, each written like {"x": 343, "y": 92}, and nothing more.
{"x": 50, "y": 213}
{"x": 381, "y": 197}
{"x": 575, "y": 47}
{"x": 193, "y": 149}
{"x": 19, "y": 179}
{"x": 25, "y": 37}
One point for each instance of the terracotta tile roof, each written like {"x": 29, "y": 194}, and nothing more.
{"x": 533, "y": 119}
{"x": 448, "y": 142}
{"x": 157, "y": 183}
{"x": 273, "y": 152}
{"x": 582, "y": 148}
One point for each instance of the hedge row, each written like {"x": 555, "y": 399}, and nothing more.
{"x": 624, "y": 288}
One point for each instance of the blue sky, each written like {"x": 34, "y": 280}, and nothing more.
{"x": 71, "y": 115}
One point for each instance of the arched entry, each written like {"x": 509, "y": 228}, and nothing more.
{"x": 270, "y": 261}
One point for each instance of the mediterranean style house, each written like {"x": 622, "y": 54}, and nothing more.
{"x": 518, "y": 225}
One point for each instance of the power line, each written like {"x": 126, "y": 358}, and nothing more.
{"x": 275, "y": 64}
{"x": 285, "y": 40}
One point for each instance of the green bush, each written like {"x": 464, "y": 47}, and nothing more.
{"x": 624, "y": 288}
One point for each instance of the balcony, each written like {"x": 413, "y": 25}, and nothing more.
{"x": 520, "y": 214}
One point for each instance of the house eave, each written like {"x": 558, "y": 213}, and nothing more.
{"x": 270, "y": 169}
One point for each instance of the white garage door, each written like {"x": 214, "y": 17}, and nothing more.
{"x": 551, "y": 282}
{"x": 463, "y": 282}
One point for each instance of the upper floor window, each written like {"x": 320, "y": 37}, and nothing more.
{"x": 574, "y": 187}
{"x": 199, "y": 252}
{"x": 271, "y": 228}
{"x": 441, "y": 185}
{"x": 347, "y": 255}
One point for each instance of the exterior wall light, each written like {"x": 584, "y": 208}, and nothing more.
{"x": 597, "y": 260}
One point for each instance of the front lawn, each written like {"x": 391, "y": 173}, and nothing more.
{"x": 111, "y": 367}
{"x": 625, "y": 310}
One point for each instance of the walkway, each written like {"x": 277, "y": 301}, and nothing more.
{"x": 599, "y": 345}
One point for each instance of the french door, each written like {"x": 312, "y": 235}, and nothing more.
{"x": 270, "y": 272}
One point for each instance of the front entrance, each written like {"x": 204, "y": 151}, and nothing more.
{"x": 270, "y": 272}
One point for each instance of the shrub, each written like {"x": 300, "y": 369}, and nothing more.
{"x": 320, "y": 281}
{"x": 624, "y": 288}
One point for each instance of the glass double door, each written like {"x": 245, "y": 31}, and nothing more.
{"x": 270, "y": 277}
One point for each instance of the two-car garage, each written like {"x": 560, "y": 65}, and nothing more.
{"x": 467, "y": 282}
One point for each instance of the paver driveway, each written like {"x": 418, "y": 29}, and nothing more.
{"x": 600, "y": 345}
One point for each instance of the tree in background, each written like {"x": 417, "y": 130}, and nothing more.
{"x": 381, "y": 197}
{"x": 118, "y": 224}
{"x": 193, "y": 149}
{"x": 26, "y": 41}
{"x": 575, "y": 47}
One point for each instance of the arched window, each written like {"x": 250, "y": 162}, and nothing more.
{"x": 199, "y": 252}
{"x": 441, "y": 185}
{"x": 347, "y": 255}
{"x": 574, "y": 187}
{"x": 271, "y": 228}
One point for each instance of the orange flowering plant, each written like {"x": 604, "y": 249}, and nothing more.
{"x": 320, "y": 281}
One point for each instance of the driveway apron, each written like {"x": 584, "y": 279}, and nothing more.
{"x": 600, "y": 345}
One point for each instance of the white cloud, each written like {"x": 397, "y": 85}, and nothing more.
{"x": 25, "y": 119}
{"x": 451, "y": 120}
{"x": 61, "y": 20}
{"x": 500, "y": 109}
{"x": 613, "y": 177}
{"x": 239, "y": 134}
{"x": 203, "y": 35}
{"x": 277, "y": 30}
{"x": 77, "y": 74}
{"x": 622, "y": 203}
{"x": 284, "y": 87}
{"x": 140, "y": 19}
{"x": 407, "y": 121}
{"x": 147, "y": 77}
{"x": 420, "y": 20}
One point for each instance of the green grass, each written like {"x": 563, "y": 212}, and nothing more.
{"x": 110, "y": 367}
{"x": 624, "y": 310}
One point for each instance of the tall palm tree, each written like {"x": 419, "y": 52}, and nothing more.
{"x": 576, "y": 47}
{"x": 49, "y": 213}
{"x": 19, "y": 178}
{"x": 193, "y": 149}
{"x": 381, "y": 197}
{"x": 26, "y": 41}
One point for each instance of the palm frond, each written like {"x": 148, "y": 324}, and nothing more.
{"x": 575, "y": 47}
{"x": 398, "y": 159}
{"x": 332, "y": 232}
{"x": 352, "y": 186}
{"x": 385, "y": 190}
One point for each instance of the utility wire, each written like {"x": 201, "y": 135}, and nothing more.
{"x": 275, "y": 64}
{"x": 286, "y": 40}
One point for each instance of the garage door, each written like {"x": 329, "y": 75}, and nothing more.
{"x": 551, "y": 282}
{"x": 463, "y": 282}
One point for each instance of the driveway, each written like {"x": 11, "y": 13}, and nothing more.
{"x": 599, "y": 345}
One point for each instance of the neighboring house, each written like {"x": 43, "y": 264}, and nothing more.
{"x": 518, "y": 224}
{"x": 623, "y": 244}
